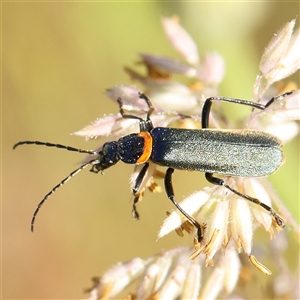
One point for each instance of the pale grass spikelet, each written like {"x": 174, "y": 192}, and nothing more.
{"x": 214, "y": 284}
{"x": 180, "y": 39}
{"x": 168, "y": 65}
{"x": 192, "y": 282}
{"x": 168, "y": 275}
{"x": 276, "y": 49}
{"x": 172, "y": 287}
{"x": 107, "y": 126}
{"x": 228, "y": 221}
{"x": 216, "y": 230}
{"x": 191, "y": 205}
{"x": 280, "y": 59}
{"x": 224, "y": 275}
{"x": 241, "y": 224}
{"x": 232, "y": 266}
{"x": 212, "y": 69}
{"x": 124, "y": 273}
{"x": 256, "y": 188}
{"x": 173, "y": 97}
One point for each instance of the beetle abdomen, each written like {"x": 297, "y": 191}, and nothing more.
{"x": 243, "y": 153}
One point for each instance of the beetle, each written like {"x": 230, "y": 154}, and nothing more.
{"x": 239, "y": 152}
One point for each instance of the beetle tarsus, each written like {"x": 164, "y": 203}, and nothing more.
{"x": 135, "y": 213}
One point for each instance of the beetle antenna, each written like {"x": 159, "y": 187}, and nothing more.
{"x": 93, "y": 162}
{"x": 92, "y": 152}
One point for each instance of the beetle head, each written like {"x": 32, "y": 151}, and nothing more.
{"x": 108, "y": 157}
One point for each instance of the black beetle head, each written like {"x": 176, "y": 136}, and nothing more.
{"x": 108, "y": 157}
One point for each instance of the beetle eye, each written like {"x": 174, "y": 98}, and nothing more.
{"x": 110, "y": 152}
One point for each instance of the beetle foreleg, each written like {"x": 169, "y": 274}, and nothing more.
{"x": 136, "y": 190}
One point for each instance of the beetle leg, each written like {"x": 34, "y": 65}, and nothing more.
{"x": 123, "y": 114}
{"x": 149, "y": 104}
{"x": 170, "y": 194}
{"x": 208, "y": 102}
{"x": 145, "y": 125}
{"x": 135, "y": 213}
{"x": 218, "y": 181}
{"x": 136, "y": 190}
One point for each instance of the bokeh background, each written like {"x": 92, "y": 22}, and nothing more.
{"x": 57, "y": 61}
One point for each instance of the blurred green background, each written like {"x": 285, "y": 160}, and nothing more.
{"x": 58, "y": 59}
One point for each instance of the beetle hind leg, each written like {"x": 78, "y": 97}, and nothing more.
{"x": 217, "y": 181}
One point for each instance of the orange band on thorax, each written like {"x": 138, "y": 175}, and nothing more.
{"x": 147, "y": 146}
